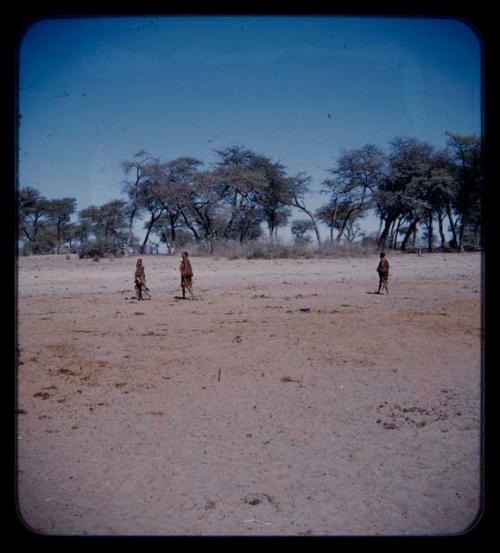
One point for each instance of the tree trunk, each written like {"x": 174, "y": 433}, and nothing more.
{"x": 30, "y": 239}
{"x": 461, "y": 233}
{"x": 190, "y": 227}
{"x": 396, "y": 233}
{"x": 234, "y": 211}
{"x": 209, "y": 240}
{"x": 441, "y": 230}
{"x": 430, "y": 232}
{"x": 148, "y": 231}
{"x": 303, "y": 208}
{"x": 270, "y": 228}
{"x": 59, "y": 238}
{"x": 390, "y": 238}
{"x": 36, "y": 227}
{"x": 316, "y": 228}
{"x": 130, "y": 226}
{"x": 453, "y": 227}
{"x": 382, "y": 241}
{"x": 344, "y": 223}
{"x": 172, "y": 234}
{"x": 411, "y": 230}
{"x": 332, "y": 222}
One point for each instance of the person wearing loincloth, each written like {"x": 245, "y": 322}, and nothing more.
{"x": 186, "y": 275}
{"x": 383, "y": 274}
{"x": 140, "y": 280}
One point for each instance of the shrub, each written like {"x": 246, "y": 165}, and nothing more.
{"x": 99, "y": 248}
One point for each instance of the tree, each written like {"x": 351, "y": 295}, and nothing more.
{"x": 341, "y": 210}
{"x": 239, "y": 181}
{"x": 82, "y": 230}
{"x": 138, "y": 168}
{"x": 272, "y": 193}
{"x": 59, "y": 214}
{"x": 361, "y": 172}
{"x": 202, "y": 208}
{"x": 300, "y": 228}
{"x": 150, "y": 198}
{"x": 404, "y": 191}
{"x": 113, "y": 217}
{"x": 299, "y": 187}
{"x": 32, "y": 210}
{"x": 466, "y": 152}
{"x": 179, "y": 175}
{"x": 108, "y": 224}
{"x": 327, "y": 213}
{"x": 353, "y": 185}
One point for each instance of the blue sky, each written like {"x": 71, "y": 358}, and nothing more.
{"x": 94, "y": 91}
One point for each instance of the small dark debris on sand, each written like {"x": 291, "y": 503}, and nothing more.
{"x": 258, "y": 498}
{"x": 66, "y": 371}
{"x": 42, "y": 395}
{"x": 289, "y": 379}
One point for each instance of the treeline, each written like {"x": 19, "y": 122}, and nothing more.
{"x": 412, "y": 187}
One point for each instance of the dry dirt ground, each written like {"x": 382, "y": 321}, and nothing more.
{"x": 287, "y": 399}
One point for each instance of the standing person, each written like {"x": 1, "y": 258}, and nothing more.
{"x": 383, "y": 273}
{"x": 186, "y": 275}
{"x": 140, "y": 279}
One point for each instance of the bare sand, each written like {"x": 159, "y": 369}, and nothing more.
{"x": 287, "y": 399}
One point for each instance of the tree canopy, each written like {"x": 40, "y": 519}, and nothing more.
{"x": 412, "y": 187}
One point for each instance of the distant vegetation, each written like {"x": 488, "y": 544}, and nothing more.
{"x": 237, "y": 206}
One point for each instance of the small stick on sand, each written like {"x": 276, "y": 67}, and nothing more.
{"x": 218, "y": 376}
{"x": 257, "y": 520}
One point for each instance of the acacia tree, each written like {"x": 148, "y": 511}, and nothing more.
{"x": 299, "y": 187}
{"x": 106, "y": 223}
{"x": 113, "y": 221}
{"x": 202, "y": 213}
{"x": 361, "y": 172}
{"x": 272, "y": 193}
{"x": 32, "y": 214}
{"x": 59, "y": 213}
{"x": 352, "y": 186}
{"x": 440, "y": 194}
{"x": 403, "y": 193}
{"x": 82, "y": 230}
{"x": 342, "y": 209}
{"x": 138, "y": 169}
{"x": 466, "y": 152}
{"x": 300, "y": 229}
{"x": 327, "y": 213}
{"x": 239, "y": 180}
{"x": 150, "y": 198}
{"x": 176, "y": 184}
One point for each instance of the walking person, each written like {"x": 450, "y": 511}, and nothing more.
{"x": 186, "y": 275}
{"x": 383, "y": 274}
{"x": 140, "y": 280}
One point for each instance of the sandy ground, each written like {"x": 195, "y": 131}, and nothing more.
{"x": 287, "y": 399}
